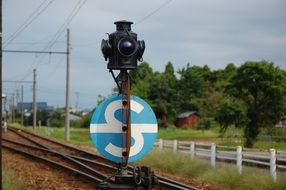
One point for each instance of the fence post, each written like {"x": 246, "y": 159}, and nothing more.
{"x": 273, "y": 164}
{"x": 213, "y": 155}
{"x": 192, "y": 149}
{"x": 239, "y": 159}
{"x": 160, "y": 144}
{"x": 175, "y": 145}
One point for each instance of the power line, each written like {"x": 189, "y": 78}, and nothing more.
{"x": 16, "y": 81}
{"x": 40, "y": 52}
{"x": 63, "y": 27}
{"x": 153, "y": 12}
{"x": 69, "y": 19}
{"x": 57, "y": 35}
{"x": 28, "y": 21}
{"x": 54, "y": 70}
{"x": 34, "y": 43}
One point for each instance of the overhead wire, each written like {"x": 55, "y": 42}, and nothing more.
{"x": 153, "y": 12}
{"x": 33, "y": 16}
{"x": 63, "y": 27}
{"x": 136, "y": 23}
{"x": 56, "y": 36}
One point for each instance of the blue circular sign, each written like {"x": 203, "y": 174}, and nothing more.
{"x": 106, "y": 128}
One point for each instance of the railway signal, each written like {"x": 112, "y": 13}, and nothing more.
{"x": 122, "y": 48}
{"x": 124, "y": 128}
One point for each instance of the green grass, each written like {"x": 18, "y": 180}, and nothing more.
{"x": 11, "y": 181}
{"x": 189, "y": 134}
{"x": 225, "y": 176}
{"x": 232, "y": 138}
{"x": 77, "y": 135}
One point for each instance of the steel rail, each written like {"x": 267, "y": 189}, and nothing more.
{"x": 175, "y": 186}
{"x": 67, "y": 157}
{"x": 81, "y": 159}
{"x": 72, "y": 148}
{"x": 166, "y": 182}
{"x": 51, "y": 162}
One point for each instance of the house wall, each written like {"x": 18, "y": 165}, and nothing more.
{"x": 190, "y": 121}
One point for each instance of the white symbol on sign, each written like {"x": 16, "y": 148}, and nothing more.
{"x": 115, "y": 126}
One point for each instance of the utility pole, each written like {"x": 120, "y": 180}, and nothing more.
{"x": 17, "y": 97}
{"x": 13, "y": 107}
{"x": 1, "y": 92}
{"x": 34, "y": 100}
{"x": 77, "y": 100}
{"x": 67, "y": 119}
{"x": 22, "y": 105}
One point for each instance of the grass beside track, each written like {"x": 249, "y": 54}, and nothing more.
{"x": 233, "y": 137}
{"x": 11, "y": 181}
{"x": 77, "y": 135}
{"x": 224, "y": 176}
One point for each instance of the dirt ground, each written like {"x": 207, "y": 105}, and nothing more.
{"x": 36, "y": 175}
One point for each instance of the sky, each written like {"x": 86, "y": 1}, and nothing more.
{"x": 198, "y": 32}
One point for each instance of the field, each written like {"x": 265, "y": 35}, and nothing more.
{"x": 223, "y": 177}
{"x": 232, "y": 137}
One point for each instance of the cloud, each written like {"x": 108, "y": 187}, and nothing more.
{"x": 212, "y": 32}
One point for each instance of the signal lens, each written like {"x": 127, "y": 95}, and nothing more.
{"x": 127, "y": 47}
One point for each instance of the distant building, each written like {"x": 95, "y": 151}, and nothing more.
{"x": 86, "y": 111}
{"x": 190, "y": 118}
{"x": 74, "y": 117}
{"x": 28, "y": 106}
{"x": 282, "y": 123}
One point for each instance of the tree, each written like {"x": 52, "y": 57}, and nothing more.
{"x": 222, "y": 77}
{"x": 57, "y": 119}
{"x": 262, "y": 87}
{"x": 163, "y": 95}
{"x": 230, "y": 112}
{"x": 141, "y": 78}
{"x": 193, "y": 83}
{"x": 42, "y": 115}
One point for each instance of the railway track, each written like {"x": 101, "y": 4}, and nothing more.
{"x": 71, "y": 159}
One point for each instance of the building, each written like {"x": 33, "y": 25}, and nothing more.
{"x": 190, "y": 119}
{"x": 282, "y": 123}
{"x": 28, "y": 106}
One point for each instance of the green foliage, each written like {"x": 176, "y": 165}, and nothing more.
{"x": 42, "y": 116}
{"x": 205, "y": 123}
{"x": 262, "y": 87}
{"x": 84, "y": 122}
{"x": 231, "y": 113}
{"x": 11, "y": 180}
{"x": 182, "y": 165}
{"x": 252, "y": 96}
{"x": 57, "y": 119}
{"x": 77, "y": 135}
{"x": 159, "y": 89}
{"x": 141, "y": 78}
{"x": 193, "y": 83}
{"x": 190, "y": 134}
{"x": 223, "y": 177}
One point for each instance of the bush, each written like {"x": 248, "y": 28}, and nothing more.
{"x": 205, "y": 123}
{"x": 57, "y": 123}
{"x": 224, "y": 176}
{"x": 84, "y": 122}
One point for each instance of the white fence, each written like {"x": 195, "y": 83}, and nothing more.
{"x": 272, "y": 158}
